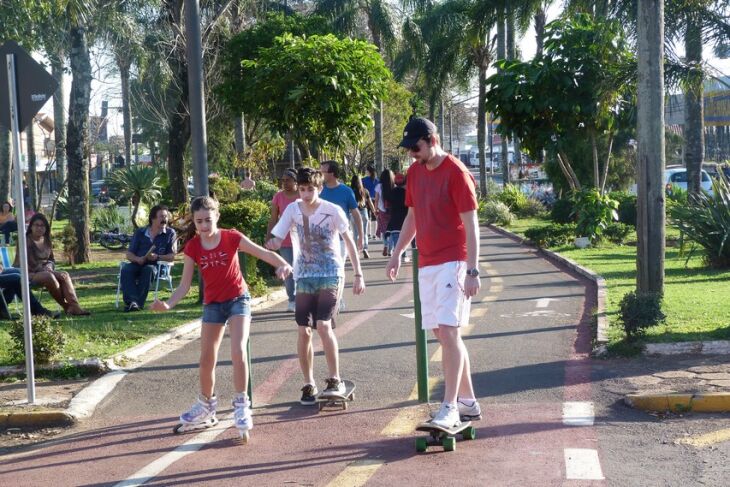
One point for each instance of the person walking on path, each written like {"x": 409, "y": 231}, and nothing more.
{"x": 226, "y": 300}
{"x": 280, "y": 201}
{"x": 382, "y": 190}
{"x": 364, "y": 206}
{"x": 442, "y": 212}
{"x": 341, "y": 195}
{"x": 398, "y": 211}
{"x": 369, "y": 182}
{"x": 151, "y": 244}
{"x": 319, "y": 271}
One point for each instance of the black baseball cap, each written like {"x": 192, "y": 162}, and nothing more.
{"x": 416, "y": 129}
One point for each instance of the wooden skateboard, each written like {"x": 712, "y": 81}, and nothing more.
{"x": 445, "y": 437}
{"x": 337, "y": 400}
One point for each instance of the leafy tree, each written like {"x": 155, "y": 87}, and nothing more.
{"x": 320, "y": 88}
{"x": 136, "y": 184}
{"x": 579, "y": 89}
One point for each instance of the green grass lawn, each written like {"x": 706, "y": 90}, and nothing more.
{"x": 108, "y": 330}
{"x": 695, "y": 297}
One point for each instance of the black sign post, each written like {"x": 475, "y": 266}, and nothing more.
{"x": 17, "y": 109}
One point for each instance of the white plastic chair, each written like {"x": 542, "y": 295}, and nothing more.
{"x": 163, "y": 272}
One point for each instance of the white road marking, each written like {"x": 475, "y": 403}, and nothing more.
{"x": 409, "y": 315}
{"x": 582, "y": 464}
{"x": 544, "y": 302}
{"x": 578, "y": 413}
{"x": 538, "y": 313}
{"x": 156, "y": 467}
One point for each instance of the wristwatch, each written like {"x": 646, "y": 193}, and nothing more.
{"x": 473, "y": 272}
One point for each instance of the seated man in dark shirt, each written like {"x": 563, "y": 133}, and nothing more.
{"x": 156, "y": 242}
{"x": 10, "y": 285}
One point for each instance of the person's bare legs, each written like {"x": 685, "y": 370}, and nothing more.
{"x": 211, "y": 336}
{"x": 455, "y": 363}
{"x": 305, "y": 353}
{"x": 330, "y": 346}
{"x": 239, "y": 328}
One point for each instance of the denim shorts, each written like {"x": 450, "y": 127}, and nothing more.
{"x": 218, "y": 313}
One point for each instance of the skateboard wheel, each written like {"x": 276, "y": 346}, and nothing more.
{"x": 449, "y": 443}
{"x": 344, "y": 406}
{"x": 421, "y": 444}
{"x": 469, "y": 433}
{"x": 321, "y": 405}
{"x": 176, "y": 429}
{"x": 352, "y": 396}
{"x": 244, "y": 437}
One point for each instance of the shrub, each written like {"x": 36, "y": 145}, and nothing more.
{"x": 48, "y": 339}
{"x": 107, "y": 218}
{"x": 251, "y": 218}
{"x": 617, "y": 232}
{"x": 593, "y": 212}
{"x": 705, "y": 219}
{"x": 639, "y": 311}
{"x": 551, "y": 235}
{"x": 225, "y": 189}
{"x": 530, "y": 208}
{"x": 494, "y": 212}
{"x": 264, "y": 191}
{"x": 562, "y": 211}
{"x": 70, "y": 243}
{"x": 512, "y": 196}
{"x": 626, "y": 206}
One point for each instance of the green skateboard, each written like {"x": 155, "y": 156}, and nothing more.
{"x": 445, "y": 437}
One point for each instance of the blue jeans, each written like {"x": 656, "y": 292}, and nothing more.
{"x": 10, "y": 285}
{"x": 136, "y": 280}
{"x": 218, "y": 313}
{"x": 7, "y": 228}
{"x": 287, "y": 253}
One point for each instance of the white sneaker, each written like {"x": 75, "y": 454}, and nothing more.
{"x": 447, "y": 417}
{"x": 291, "y": 307}
{"x": 242, "y": 413}
{"x": 469, "y": 413}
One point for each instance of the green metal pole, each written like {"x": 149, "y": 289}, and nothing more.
{"x": 421, "y": 344}
{"x": 242, "y": 263}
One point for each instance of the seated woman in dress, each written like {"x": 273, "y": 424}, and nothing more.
{"x": 8, "y": 224}
{"x": 41, "y": 266}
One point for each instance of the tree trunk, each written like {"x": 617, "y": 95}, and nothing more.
{"x": 239, "y": 136}
{"x": 650, "y": 134}
{"x": 379, "y": 156}
{"x": 77, "y": 140}
{"x": 32, "y": 170}
{"x": 440, "y": 122}
{"x": 604, "y": 177}
{"x": 502, "y": 54}
{"x": 694, "y": 111}
{"x": 482, "y": 129}
{"x": 5, "y": 165}
{"x": 124, "y": 66}
{"x": 540, "y": 22}
{"x": 594, "y": 154}
{"x": 178, "y": 137}
{"x": 59, "y": 120}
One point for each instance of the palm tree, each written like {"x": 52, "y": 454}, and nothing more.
{"x": 136, "y": 184}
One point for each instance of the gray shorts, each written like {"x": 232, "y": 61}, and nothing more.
{"x": 317, "y": 300}
{"x": 218, "y": 313}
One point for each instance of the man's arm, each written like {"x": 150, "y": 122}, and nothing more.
{"x": 471, "y": 226}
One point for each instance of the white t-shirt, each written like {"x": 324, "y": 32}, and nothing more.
{"x": 379, "y": 194}
{"x": 315, "y": 239}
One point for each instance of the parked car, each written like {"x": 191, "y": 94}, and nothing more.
{"x": 677, "y": 176}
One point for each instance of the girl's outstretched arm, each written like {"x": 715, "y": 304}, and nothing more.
{"x": 271, "y": 258}
{"x": 182, "y": 289}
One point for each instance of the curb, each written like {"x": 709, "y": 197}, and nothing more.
{"x": 601, "y": 337}
{"x": 82, "y": 405}
{"x": 710, "y": 402}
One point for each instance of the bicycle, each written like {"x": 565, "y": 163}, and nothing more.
{"x": 114, "y": 239}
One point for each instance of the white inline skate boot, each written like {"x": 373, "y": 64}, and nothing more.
{"x": 242, "y": 416}
{"x": 200, "y": 416}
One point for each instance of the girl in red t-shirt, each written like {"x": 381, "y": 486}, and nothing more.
{"x": 225, "y": 300}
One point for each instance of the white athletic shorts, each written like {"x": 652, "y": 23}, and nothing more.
{"x": 441, "y": 289}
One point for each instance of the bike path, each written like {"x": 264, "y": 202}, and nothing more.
{"x": 524, "y": 361}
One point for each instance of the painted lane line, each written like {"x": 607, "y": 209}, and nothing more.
{"x": 706, "y": 439}
{"x": 151, "y": 470}
{"x": 543, "y": 302}
{"x": 578, "y": 413}
{"x": 357, "y": 473}
{"x": 582, "y": 464}
{"x": 409, "y": 315}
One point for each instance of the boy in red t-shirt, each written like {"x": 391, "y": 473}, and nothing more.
{"x": 225, "y": 300}
{"x": 442, "y": 214}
